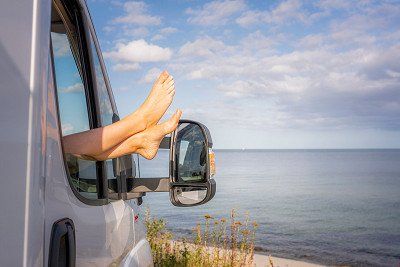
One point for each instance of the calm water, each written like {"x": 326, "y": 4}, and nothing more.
{"x": 324, "y": 206}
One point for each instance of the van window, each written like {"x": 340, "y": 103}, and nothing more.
{"x": 72, "y": 103}
{"x": 106, "y": 109}
{"x": 106, "y": 113}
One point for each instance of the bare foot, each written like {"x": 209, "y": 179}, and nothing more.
{"x": 151, "y": 137}
{"x": 159, "y": 99}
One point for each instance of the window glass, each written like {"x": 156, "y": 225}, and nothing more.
{"x": 191, "y": 153}
{"x": 73, "y": 109}
{"x": 106, "y": 115}
{"x": 106, "y": 110}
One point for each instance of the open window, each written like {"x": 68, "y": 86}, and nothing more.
{"x": 84, "y": 100}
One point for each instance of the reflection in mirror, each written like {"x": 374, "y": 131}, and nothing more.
{"x": 191, "y": 153}
{"x": 190, "y": 195}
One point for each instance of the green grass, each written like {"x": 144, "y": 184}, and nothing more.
{"x": 214, "y": 242}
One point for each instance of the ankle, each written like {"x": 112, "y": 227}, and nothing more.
{"x": 139, "y": 140}
{"x": 137, "y": 122}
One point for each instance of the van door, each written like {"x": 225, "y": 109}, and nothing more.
{"x": 87, "y": 220}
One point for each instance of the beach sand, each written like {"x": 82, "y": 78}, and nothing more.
{"x": 271, "y": 261}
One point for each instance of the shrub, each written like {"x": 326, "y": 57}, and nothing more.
{"x": 214, "y": 242}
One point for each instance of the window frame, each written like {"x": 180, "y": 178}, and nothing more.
{"x": 69, "y": 12}
{"x": 125, "y": 165}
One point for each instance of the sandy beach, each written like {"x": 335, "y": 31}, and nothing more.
{"x": 271, "y": 261}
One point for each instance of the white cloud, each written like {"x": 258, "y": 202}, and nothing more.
{"x": 334, "y": 4}
{"x": 108, "y": 29}
{"x": 123, "y": 88}
{"x": 286, "y": 12}
{"x": 168, "y": 30}
{"x": 324, "y": 83}
{"x": 250, "y": 17}
{"x": 215, "y": 12}
{"x": 290, "y": 73}
{"x": 60, "y": 45}
{"x": 241, "y": 88}
{"x": 158, "y": 37}
{"x": 137, "y": 13}
{"x": 138, "y": 51}
{"x": 126, "y": 67}
{"x": 202, "y": 47}
{"x": 163, "y": 33}
{"x": 257, "y": 40}
{"x": 135, "y": 31}
{"x": 78, "y": 87}
{"x": 342, "y": 73}
{"x": 289, "y": 10}
{"x": 151, "y": 75}
{"x": 311, "y": 41}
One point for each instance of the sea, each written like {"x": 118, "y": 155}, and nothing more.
{"x": 333, "y": 207}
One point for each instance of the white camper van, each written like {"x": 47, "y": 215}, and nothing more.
{"x": 56, "y": 209}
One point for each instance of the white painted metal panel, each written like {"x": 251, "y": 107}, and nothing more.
{"x": 23, "y": 63}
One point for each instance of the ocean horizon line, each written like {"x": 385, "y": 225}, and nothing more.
{"x": 303, "y": 149}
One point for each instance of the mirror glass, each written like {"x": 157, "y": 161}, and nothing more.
{"x": 191, "y": 154}
{"x": 190, "y": 195}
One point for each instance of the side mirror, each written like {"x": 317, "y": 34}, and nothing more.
{"x": 192, "y": 165}
{"x": 191, "y": 168}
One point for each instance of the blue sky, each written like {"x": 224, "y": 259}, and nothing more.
{"x": 263, "y": 74}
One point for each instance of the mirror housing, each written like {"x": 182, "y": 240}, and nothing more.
{"x": 192, "y": 165}
{"x": 191, "y": 168}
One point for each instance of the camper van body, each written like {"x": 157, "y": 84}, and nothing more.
{"x": 35, "y": 191}
{"x": 36, "y": 194}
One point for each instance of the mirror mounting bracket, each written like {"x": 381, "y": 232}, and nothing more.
{"x": 143, "y": 185}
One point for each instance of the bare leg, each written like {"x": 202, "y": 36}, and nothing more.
{"x": 145, "y": 143}
{"x": 99, "y": 140}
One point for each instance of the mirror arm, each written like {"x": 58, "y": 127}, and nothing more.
{"x": 142, "y": 185}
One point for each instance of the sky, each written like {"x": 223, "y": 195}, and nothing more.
{"x": 263, "y": 74}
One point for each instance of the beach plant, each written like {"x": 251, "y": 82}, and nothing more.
{"x": 213, "y": 242}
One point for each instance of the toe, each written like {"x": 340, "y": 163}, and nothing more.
{"x": 169, "y": 79}
{"x": 163, "y": 76}
{"x": 171, "y": 93}
{"x": 169, "y": 84}
{"x": 172, "y": 123}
